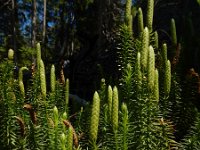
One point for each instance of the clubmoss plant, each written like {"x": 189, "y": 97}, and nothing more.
{"x": 151, "y": 68}
{"x": 173, "y": 38}
{"x": 38, "y": 49}
{"x": 192, "y": 140}
{"x": 149, "y": 17}
{"x": 162, "y": 70}
{"x": 102, "y": 91}
{"x": 127, "y": 56}
{"x": 55, "y": 116}
{"x": 164, "y": 54}
{"x": 64, "y": 117}
{"x": 125, "y": 126}
{"x": 115, "y": 115}
{"x": 145, "y": 126}
{"x": 128, "y": 15}
{"x": 145, "y": 48}
{"x": 43, "y": 79}
{"x": 140, "y": 21}
{"x": 75, "y": 136}
{"x": 22, "y": 141}
{"x": 36, "y": 131}
{"x": 127, "y": 77}
{"x": 56, "y": 122}
{"x": 63, "y": 140}
{"x": 138, "y": 74}
{"x": 166, "y": 135}
{"x": 20, "y": 79}
{"x": 70, "y": 139}
{"x": 115, "y": 109}
{"x": 94, "y": 120}
{"x": 10, "y": 54}
{"x": 156, "y": 85}
{"x": 53, "y": 79}
{"x": 125, "y": 48}
{"x": 173, "y": 32}
{"x": 110, "y": 93}
{"x": 156, "y": 41}
{"x": 167, "y": 79}
{"x": 8, "y": 106}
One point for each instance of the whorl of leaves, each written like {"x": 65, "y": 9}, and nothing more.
{"x": 125, "y": 47}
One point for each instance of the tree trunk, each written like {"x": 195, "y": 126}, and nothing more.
{"x": 34, "y": 24}
{"x": 44, "y": 28}
{"x": 100, "y": 20}
{"x": 14, "y": 28}
{"x": 44, "y": 23}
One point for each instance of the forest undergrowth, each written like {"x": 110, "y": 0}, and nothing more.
{"x": 151, "y": 107}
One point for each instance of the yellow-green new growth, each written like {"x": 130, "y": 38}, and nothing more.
{"x": 20, "y": 79}
{"x": 38, "y": 49}
{"x": 156, "y": 41}
{"x": 128, "y": 15}
{"x": 125, "y": 125}
{"x": 103, "y": 83}
{"x": 151, "y": 68}
{"x": 156, "y": 85}
{"x": 102, "y": 91}
{"x": 110, "y": 101}
{"x": 150, "y": 11}
{"x": 42, "y": 79}
{"x": 70, "y": 139}
{"x": 55, "y": 116}
{"x": 140, "y": 21}
{"x": 173, "y": 32}
{"x": 10, "y": 54}
{"x": 124, "y": 112}
{"x": 128, "y": 72}
{"x": 94, "y": 121}
{"x": 145, "y": 48}
{"x": 53, "y": 79}
{"x": 66, "y": 94}
{"x": 115, "y": 109}
{"x": 64, "y": 117}
{"x": 164, "y": 54}
{"x": 138, "y": 73}
{"x": 63, "y": 141}
{"x": 128, "y": 7}
{"x": 167, "y": 79}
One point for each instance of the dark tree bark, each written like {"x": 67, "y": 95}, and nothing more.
{"x": 44, "y": 23}
{"x": 14, "y": 28}
{"x": 44, "y": 28}
{"x": 34, "y": 23}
